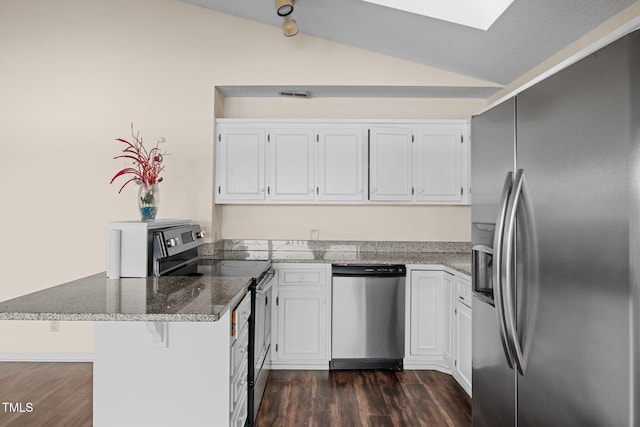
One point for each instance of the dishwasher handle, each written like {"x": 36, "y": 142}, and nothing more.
{"x": 354, "y": 270}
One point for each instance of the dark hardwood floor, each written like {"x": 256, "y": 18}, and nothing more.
{"x": 363, "y": 398}
{"x": 59, "y": 394}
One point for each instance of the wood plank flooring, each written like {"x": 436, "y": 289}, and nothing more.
{"x": 363, "y": 398}
{"x": 61, "y": 394}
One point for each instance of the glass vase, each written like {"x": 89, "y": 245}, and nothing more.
{"x": 148, "y": 201}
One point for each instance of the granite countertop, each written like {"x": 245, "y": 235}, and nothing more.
{"x": 460, "y": 262}
{"x": 454, "y": 255}
{"x": 206, "y": 298}
{"x": 96, "y": 298}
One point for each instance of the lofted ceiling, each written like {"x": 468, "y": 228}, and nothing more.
{"x": 527, "y": 33}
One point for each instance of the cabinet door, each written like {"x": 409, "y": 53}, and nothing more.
{"x": 427, "y": 313}
{"x": 240, "y": 164}
{"x": 291, "y": 158}
{"x": 302, "y": 325}
{"x": 462, "y": 347}
{"x": 448, "y": 295}
{"x": 439, "y": 164}
{"x": 340, "y": 164}
{"x": 391, "y": 173}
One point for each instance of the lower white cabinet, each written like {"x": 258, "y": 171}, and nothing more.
{"x": 428, "y": 337}
{"x": 438, "y": 324}
{"x": 427, "y": 313}
{"x": 301, "y": 316}
{"x": 461, "y": 369}
{"x": 181, "y": 377}
{"x": 239, "y": 362}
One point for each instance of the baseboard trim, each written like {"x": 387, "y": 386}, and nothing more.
{"x": 46, "y": 357}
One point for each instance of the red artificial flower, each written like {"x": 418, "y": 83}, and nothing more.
{"x": 147, "y": 165}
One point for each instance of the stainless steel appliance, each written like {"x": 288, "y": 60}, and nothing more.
{"x": 367, "y": 328}
{"x": 130, "y": 245}
{"x": 260, "y": 336}
{"x": 175, "y": 253}
{"x": 555, "y": 215}
{"x": 262, "y": 275}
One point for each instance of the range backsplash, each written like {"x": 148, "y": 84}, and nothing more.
{"x": 208, "y": 249}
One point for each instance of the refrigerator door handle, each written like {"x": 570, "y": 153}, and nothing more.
{"x": 498, "y": 240}
{"x": 510, "y": 230}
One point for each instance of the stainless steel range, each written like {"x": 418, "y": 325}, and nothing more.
{"x": 171, "y": 249}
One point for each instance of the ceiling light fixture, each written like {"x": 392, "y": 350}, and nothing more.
{"x": 289, "y": 27}
{"x": 284, "y": 7}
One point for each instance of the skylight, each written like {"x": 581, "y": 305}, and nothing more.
{"x": 479, "y": 14}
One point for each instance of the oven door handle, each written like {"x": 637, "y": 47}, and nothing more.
{"x": 266, "y": 282}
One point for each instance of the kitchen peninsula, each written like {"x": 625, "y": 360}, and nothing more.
{"x": 162, "y": 351}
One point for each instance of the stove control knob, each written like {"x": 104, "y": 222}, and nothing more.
{"x": 172, "y": 242}
{"x": 199, "y": 234}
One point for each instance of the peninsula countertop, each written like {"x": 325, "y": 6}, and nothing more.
{"x": 201, "y": 298}
{"x": 97, "y": 298}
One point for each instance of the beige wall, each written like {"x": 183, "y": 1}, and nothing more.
{"x": 76, "y": 73}
{"x": 365, "y": 222}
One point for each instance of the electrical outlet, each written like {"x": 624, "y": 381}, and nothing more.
{"x": 54, "y": 326}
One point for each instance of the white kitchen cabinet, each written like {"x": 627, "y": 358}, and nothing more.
{"x": 390, "y": 164}
{"x": 342, "y": 161}
{"x": 448, "y": 301}
{"x": 239, "y": 362}
{"x": 341, "y": 164}
{"x": 291, "y": 164}
{"x": 301, "y": 317}
{"x": 240, "y": 164}
{"x": 440, "y": 164}
{"x": 427, "y": 313}
{"x": 462, "y": 321}
{"x": 186, "y": 382}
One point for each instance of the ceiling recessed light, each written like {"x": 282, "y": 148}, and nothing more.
{"x": 479, "y": 14}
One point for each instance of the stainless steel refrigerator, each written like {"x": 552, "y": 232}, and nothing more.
{"x": 556, "y": 248}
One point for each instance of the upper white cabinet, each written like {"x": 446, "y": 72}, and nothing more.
{"x": 342, "y": 161}
{"x": 291, "y": 160}
{"x": 341, "y": 164}
{"x": 240, "y": 164}
{"x": 390, "y": 162}
{"x": 440, "y": 164}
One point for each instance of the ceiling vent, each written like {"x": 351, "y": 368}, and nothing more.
{"x": 295, "y": 94}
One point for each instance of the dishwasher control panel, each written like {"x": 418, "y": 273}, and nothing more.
{"x": 368, "y": 270}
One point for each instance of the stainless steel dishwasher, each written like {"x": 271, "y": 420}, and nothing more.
{"x": 367, "y": 319}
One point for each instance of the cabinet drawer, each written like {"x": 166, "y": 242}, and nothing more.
{"x": 239, "y": 414}
{"x": 302, "y": 276}
{"x": 239, "y": 387}
{"x": 463, "y": 291}
{"x": 239, "y": 351}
